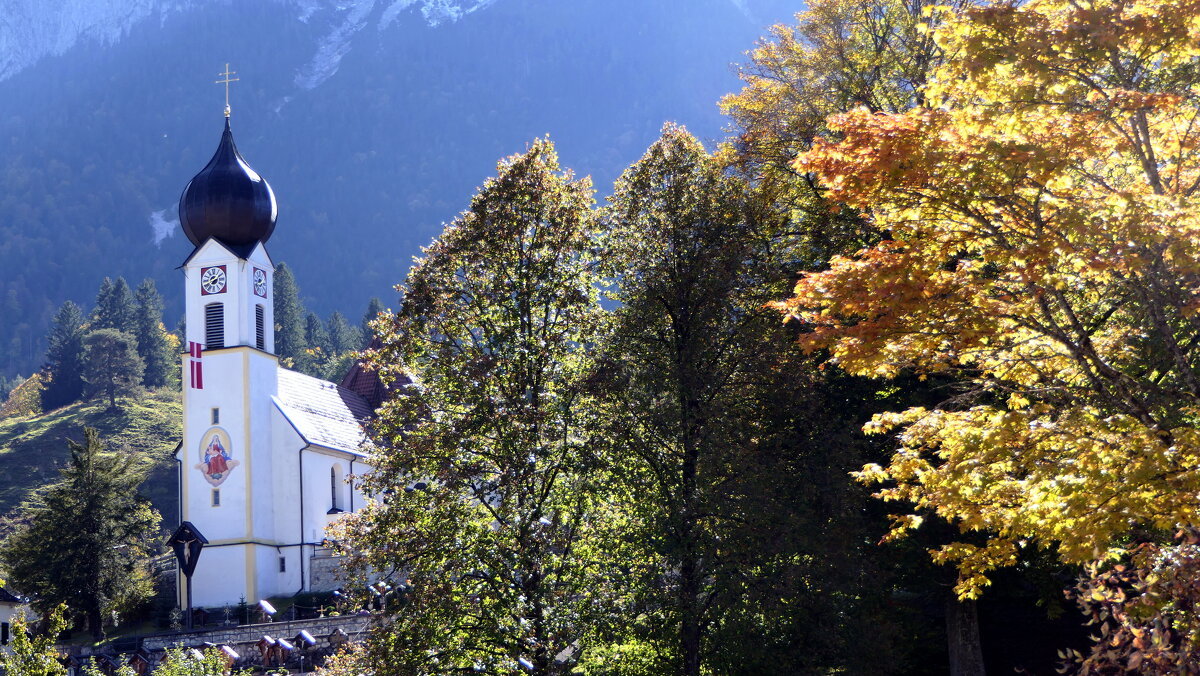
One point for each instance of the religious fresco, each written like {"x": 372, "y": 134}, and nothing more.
{"x": 216, "y": 456}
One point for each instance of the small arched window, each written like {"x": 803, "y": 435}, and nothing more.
{"x": 335, "y": 489}
{"x": 214, "y": 326}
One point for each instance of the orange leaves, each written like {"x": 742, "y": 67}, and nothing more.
{"x": 876, "y": 151}
{"x": 1044, "y": 224}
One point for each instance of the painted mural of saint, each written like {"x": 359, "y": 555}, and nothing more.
{"x": 216, "y": 458}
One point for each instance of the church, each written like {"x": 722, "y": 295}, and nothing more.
{"x": 266, "y": 450}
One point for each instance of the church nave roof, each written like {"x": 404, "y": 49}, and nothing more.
{"x": 323, "y": 413}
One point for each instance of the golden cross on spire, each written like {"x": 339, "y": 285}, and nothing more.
{"x": 226, "y": 82}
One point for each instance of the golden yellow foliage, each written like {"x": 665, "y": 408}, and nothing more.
{"x": 1043, "y": 247}
{"x": 25, "y": 399}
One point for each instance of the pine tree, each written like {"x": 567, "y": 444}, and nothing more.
{"x": 115, "y": 308}
{"x": 152, "y": 343}
{"x": 342, "y": 336}
{"x": 373, "y": 309}
{"x": 64, "y": 358}
{"x": 316, "y": 356}
{"x": 111, "y": 365}
{"x": 289, "y": 316}
{"x": 87, "y": 539}
{"x": 315, "y": 335}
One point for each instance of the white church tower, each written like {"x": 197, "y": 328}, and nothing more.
{"x": 265, "y": 450}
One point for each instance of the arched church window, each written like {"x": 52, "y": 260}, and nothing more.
{"x": 260, "y": 335}
{"x": 214, "y": 326}
{"x": 335, "y": 485}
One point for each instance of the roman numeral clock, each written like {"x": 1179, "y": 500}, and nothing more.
{"x": 213, "y": 280}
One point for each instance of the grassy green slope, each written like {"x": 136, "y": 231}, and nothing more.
{"x": 33, "y": 448}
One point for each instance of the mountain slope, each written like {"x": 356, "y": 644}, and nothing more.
{"x": 33, "y": 448}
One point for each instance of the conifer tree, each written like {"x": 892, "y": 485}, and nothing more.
{"x": 315, "y": 334}
{"x": 115, "y": 307}
{"x": 373, "y": 309}
{"x": 316, "y": 357}
{"x": 152, "y": 343}
{"x": 289, "y": 315}
{"x": 87, "y": 539}
{"x": 64, "y": 358}
{"x": 342, "y": 337}
{"x": 111, "y": 365}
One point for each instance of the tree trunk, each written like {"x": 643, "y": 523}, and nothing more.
{"x": 962, "y": 633}
{"x": 95, "y": 623}
{"x": 689, "y": 630}
{"x": 689, "y": 563}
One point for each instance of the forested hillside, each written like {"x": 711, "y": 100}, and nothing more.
{"x": 367, "y": 160}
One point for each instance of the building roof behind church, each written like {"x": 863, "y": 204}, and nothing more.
{"x": 366, "y": 381}
{"x": 323, "y": 413}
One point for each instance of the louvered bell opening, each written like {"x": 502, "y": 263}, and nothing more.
{"x": 214, "y": 326}
{"x": 260, "y": 335}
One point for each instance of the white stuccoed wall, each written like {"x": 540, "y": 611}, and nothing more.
{"x": 267, "y": 510}
{"x": 239, "y": 380}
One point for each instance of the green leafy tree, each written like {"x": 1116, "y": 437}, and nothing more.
{"x": 289, "y": 316}
{"x": 494, "y": 506}
{"x": 86, "y": 539}
{"x": 153, "y": 342}
{"x": 115, "y": 307}
{"x": 687, "y": 245}
{"x": 64, "y": 358}
{"x": 34, "y": 655}
{"x": 732, "y": 447}
{"x": 111, "y": 365}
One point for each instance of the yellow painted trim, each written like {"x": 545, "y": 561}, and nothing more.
{"x": 186, "y": 441}
{"x": 235, "y": 349}
{"x": 240, "y": 541}
{"x": 247, "y": 451}
{"x": 251, "y": 573}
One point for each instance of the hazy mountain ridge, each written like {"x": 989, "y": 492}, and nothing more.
{"x": 32, "y": 29}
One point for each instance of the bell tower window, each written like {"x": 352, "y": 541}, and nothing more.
{"x": 260, "y": 336}
{"x": 214, "y": 326}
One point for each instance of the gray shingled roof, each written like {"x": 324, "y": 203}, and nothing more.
{"x": 323, "y": 413}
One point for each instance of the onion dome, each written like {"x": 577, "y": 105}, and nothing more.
{"x": 227, "y": 200}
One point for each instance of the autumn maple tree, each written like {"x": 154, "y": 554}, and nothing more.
{"x": 1041, "y": 216}
{"x": 839, "y": 54}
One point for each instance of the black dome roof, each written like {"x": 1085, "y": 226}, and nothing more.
{"x": 227, "y": 200}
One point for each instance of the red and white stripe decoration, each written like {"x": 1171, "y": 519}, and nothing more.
{"x": 196, "y": 349}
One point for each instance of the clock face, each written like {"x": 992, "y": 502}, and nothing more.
{"x": 260, "y": 283}
{"x": 212, "y": 280}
